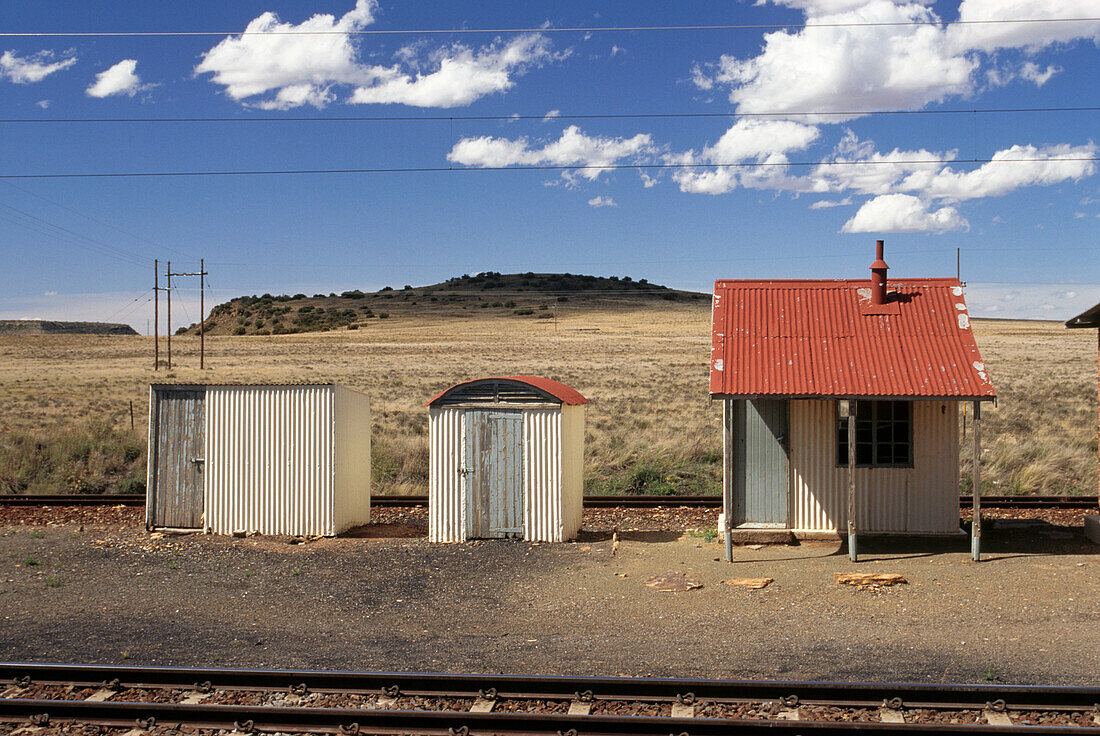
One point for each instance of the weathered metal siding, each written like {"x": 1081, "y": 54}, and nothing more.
{"x": 352, "y": 461}
{"x": 572, "y": 470}
{"x": 175, "y": 459}
{"x": 542, "y": 477}
{"x": 923, "y": 498}
{"x": 269, "y": 457}
{"x": 446, "y": 499}
{"x": 494, "y": 473}
{"x": 762, "y": 487}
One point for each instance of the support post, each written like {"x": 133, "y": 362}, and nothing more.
{"x": 156, "y": 314}
{"x": 169, "y": 315}
{"x": 202, "y": 314}
{"x": 727, "y": 479}
{"x": 852, "y": 553}
{"x": 976, "y": 522}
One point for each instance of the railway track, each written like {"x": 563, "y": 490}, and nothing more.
{"x": 1048, "y": 502}
{"x": 414, "y": 703}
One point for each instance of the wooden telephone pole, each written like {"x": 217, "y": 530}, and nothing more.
{"x": 201, "y": 273}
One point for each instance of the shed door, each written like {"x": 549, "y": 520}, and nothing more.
{"x": 761, "y": 463}
{"x": 178, "y": 434}
{"x": 494, "y": 473}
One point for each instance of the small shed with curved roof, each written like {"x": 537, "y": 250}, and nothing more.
{"x": 506, "y": 460}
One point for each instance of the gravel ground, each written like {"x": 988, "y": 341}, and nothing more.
{"x": 99, "y": 589}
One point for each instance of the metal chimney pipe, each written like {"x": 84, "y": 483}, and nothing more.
{"x": 878, "y": 276}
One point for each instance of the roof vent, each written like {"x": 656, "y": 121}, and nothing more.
{"x": 878, "y": 276}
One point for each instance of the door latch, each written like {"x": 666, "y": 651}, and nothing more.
{"x": 198, "y": 460}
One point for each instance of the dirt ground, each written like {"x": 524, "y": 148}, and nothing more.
{"x": 105, "y": 591}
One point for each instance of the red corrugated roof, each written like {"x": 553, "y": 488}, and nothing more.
{"x": 557, "y": 389}
{"x": 824, "y": 338}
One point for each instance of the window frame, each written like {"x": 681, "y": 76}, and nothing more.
{"x": 841, "y": 438}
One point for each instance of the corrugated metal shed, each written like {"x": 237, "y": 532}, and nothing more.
{"x": 286, "y": 459}
{"x": 506, "y": 460}
{"x": 809, "y": 339}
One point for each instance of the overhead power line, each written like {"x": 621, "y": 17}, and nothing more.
{"x": 578, "y": 116}
{"x": 547, "y": 29}
{"x": 540, "y": 167}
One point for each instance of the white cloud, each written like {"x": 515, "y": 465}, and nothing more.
{"x": 827, "y": 203}
{"x": 602, "y": 201}
{"x": 120, "y": 79}
{"x": 903, "y": 213}
{"x": 49, "y": 293}
{"x": 1031, "y": 72}
{"x": 551, "y": 115}
{"x": 574, "y": 148}
{"x": 616, "y": 50}
{"x": 33, "y": 68}
{"x": 832, "y": 67}
{"x": 44, "y": 104}
{"x": 1078, "y": 215}
{"x": 460, "y": 75}
{"x": 279, "y": 65}
{"x": 1031, "y": 37}
{"x": 1009, "y": 169}
{"x": 761, "y": 140}
{"x": 300, "y": 63}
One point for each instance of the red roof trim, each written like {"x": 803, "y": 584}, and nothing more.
{"x": 557, "y": 389}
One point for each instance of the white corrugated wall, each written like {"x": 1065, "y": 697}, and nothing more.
{"x": 572, "y": 475}
{"x": 446, "y": 502}
{"x": 352, "y": 462}
{"x": 269, "y": 460}
{"x": 542, "y": 476}
{"x": 923, "y": 498}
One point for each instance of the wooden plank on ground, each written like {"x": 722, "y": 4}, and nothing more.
{"x": 481, "y": 705}
{"x": 889, "y": 715}
{"x": 679, "y": 710}
{"x": 100, "y": 695}
{"x": 578, "y": 708}
{"x": 993, "y": 718}
{"x": 790, "y": 714}
{"x": 194, "y": 697}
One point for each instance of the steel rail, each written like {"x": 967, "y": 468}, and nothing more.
{"x": 249, "y": 718}
{"x": 855, "y": 694}
{"x": 1052, "y": 502}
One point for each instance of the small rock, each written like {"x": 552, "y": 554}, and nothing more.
{"x": 751, "y": 583}
{"x": 673, "y": 582}
{"x": 754, "y": 546}
{"x": 866, "y": 579}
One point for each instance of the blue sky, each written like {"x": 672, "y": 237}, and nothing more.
{"x": 779, "y": 173}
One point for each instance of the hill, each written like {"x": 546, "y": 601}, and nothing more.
{"x": 48, "y": 327}
{"x": 529, "y": 295}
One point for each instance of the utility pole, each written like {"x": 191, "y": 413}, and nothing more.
{"x": 156, "y": 315}
{"x": 169, "y": 315}
{"x": 202, "y": 314}
{"x": 201, "y": 273}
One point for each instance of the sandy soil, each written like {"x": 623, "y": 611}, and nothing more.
{"x": 388, "y": 600}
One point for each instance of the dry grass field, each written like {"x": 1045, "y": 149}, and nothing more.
{"x": 65, "y": 421}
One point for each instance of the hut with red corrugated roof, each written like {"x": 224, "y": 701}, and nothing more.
{"x": 506, "y": 460}
{"x": 840, "y": 405}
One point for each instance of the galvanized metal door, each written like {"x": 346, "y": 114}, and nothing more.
{"x": 761, "y": 464}
{"x": 178, "y": 434}
{"x": 494, "y": 473}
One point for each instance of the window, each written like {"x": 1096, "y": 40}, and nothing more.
{"x": 884, "y": 435}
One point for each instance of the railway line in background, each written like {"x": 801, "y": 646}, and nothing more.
{"x": 247, "y": 701}
{"x": 109, "y": 499}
